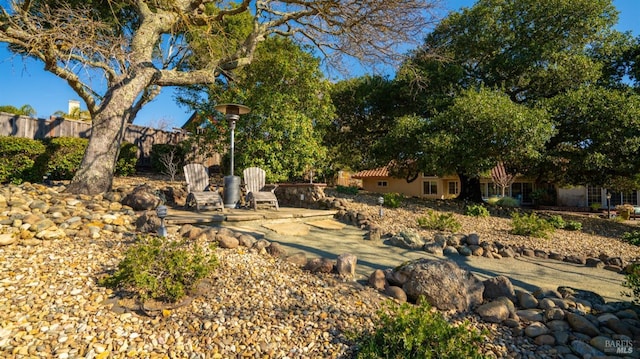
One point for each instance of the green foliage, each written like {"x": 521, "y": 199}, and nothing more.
{"x": 507, "y": 202}
{"x": 162, "y": 270}
{"x": 530, "y": 225}
{"x": 364, "y": 107}
{"x": 392, "y": 200}
{"x": 410, "y": 331}
{"x": 347, "y": 189}
{"x": 557, "y": 222}
{"x": 632, "y": 281}
{"x": 290, "y": 110}
{"x": 595, "y": 206}
{"x": 439, "y": 222}
{"x": 632, "y": 237}
{"x": 476, "y": 210}
{"x": 63, "y": 158}
{"x": 17, "y": 159}
{"x": 24, "y": 110}
{"x": 127, "y": 159}
{"x": 158, "y": 151}
{"x": 573, "y": 226}
{"x": 608, "y": 121}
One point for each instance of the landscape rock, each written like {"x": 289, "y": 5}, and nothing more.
{"x": 442, "y": 283}
{"x": 493, "y": 312}
{"x": 396, "y": 293}
{"x": 407, "y": 239}
{"x": 499, "y": 286}
{"x": 346, "y": 265}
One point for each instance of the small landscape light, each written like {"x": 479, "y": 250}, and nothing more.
{"x": 161, "y": 211}
{"x": 381, "y": 202}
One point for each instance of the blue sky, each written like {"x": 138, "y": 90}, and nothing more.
{"x": 26, "y": 82}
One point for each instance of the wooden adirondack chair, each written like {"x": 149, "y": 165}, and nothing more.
{"x": 200, "y": 192}
{"x": 257, "y": 191}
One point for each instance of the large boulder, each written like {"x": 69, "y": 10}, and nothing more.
{"x": 442, "y": 283}
{"x": 143, "y": 197}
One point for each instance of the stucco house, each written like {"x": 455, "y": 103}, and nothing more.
{"x": 429, "y": 186}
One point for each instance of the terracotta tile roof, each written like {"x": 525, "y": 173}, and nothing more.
{"x": 376, "y": 172}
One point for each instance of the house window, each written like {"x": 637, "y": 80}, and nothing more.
{"x": 594, "y": 195}
{"x": 382, "y": 183}
{"x": 522, "y": 191}
{"x": 429, "y": 187}
{"x": 453, "y": 187}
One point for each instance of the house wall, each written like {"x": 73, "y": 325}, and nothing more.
{"x": 572, "y": 197}
{"x": 413, "y": 189}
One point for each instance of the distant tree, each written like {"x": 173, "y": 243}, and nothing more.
{"x": 597, "y": 140}
{"x": 532, "y": 49}
{"x": 365, "y": 111}
{"x": 290, "y": 105}
{"x": 24, "y": 110}
{"x": 480, "y": 129}
{"x": 138, "y": 47}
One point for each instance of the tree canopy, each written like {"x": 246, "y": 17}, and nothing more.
{"x": 290, "y": 104}
{"x": 118, "y": 54}
{"x": 480, "y": 129}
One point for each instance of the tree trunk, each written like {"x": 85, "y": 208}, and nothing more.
{"x": 470, "y": 189}
{"x": 95, "y": 174}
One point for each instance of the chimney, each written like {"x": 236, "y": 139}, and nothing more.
{"x": 73, "y": 105}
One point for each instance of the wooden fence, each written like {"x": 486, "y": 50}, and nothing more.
{"x": 38, "y": 128}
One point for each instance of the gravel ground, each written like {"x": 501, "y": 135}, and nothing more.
{"x": 596, "y": 237}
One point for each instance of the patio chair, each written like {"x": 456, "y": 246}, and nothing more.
{"x": 200, "y": 192}
{"x": 257, "y": 191}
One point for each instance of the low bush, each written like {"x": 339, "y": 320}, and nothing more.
{"x": 416, "y": 331}
{"x": 530, "y": 225}
{"x": 632, "y": 237}
{"x": 353, "y": 190}
{"x": 508, "y": 202}
{"x": 392, "y": 200}
{"x": 159, "y": 151}
{"x": 632, "y": 281}
{"x": 127, "y": 159}
{"x": 557, "y": 222}
{"x": 18, "y": 158}
{"x": 439, "y": 222}
{"x": 476, "y": 210}
{"x": 64, "y": 155}
{"x": 161, "y": 270}
{"x": 573, "y": 226}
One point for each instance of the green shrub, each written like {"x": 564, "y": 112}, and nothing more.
{"x": 632, "y": 237}
{"x": 415, "y": 331}
{"x": 158, "y": 151}
{"x": 476, "y": 210}
{"x": 127, "y": 159}
{"x": 64, "y": 155}
{"x": 439, "y": 222}
{"x": 530, "y": 225}
{"x": 508, "y": 202}
{"x": 557, "y": 222}
{"x": 595, "y": 206}
{"x": 392, "y": 200}
{"x": 353, "y": 190}
{"x": 17, "y": 159}
{"x": 162, "y": 270}
{"x": 632, "y": 281}
{"x": 573, "y": 226}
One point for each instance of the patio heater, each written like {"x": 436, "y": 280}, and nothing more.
{"x": 232, "y": 113}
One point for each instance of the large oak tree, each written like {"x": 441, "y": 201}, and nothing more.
{"x": 118, "y": 54}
